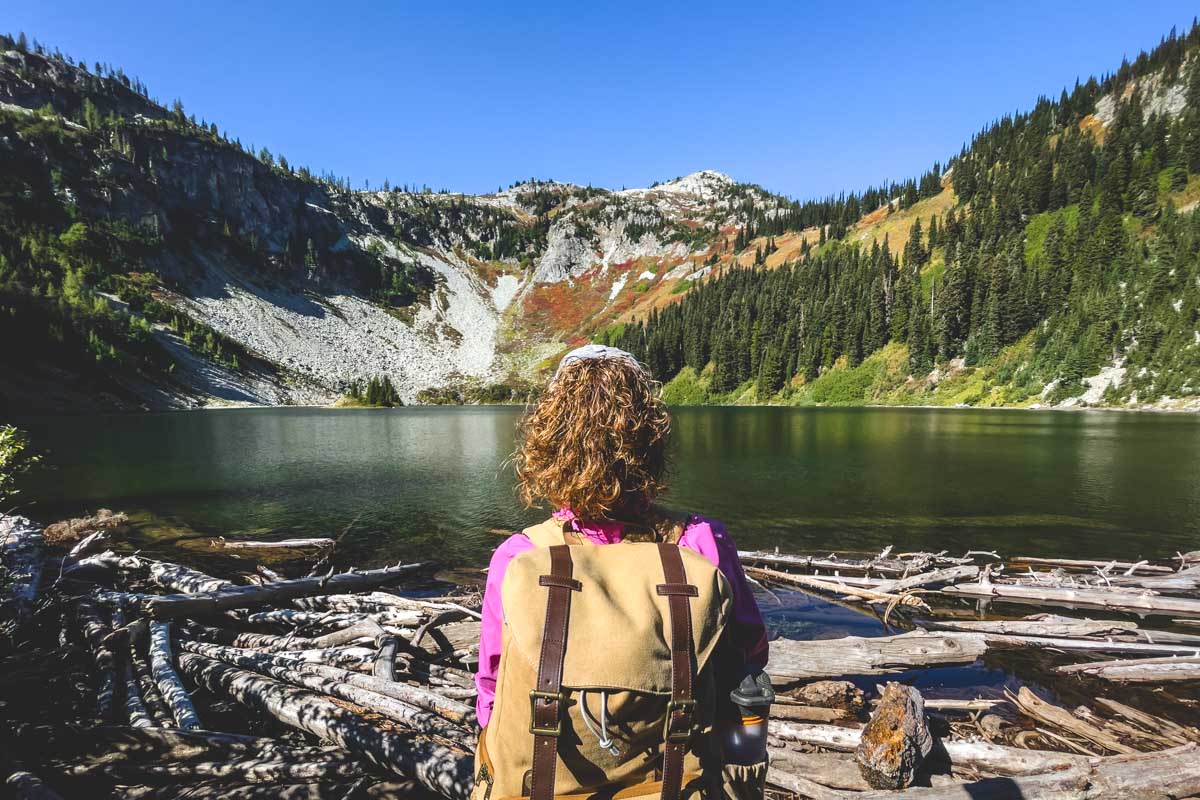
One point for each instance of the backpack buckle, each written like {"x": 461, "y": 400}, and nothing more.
{"x": 551, "y": 697}
{"x": 687, "y": 708}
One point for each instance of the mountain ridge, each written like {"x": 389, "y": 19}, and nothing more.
{"x": 173, "y": 268}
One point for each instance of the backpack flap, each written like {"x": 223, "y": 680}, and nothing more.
{"x": 618, "y": 637}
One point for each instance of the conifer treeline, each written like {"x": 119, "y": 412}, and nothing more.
{"x": 1059, "y": 232}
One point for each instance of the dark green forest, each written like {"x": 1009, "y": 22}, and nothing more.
{"x": 1064, "y": 254}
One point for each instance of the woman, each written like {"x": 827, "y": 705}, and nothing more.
{"x": 594, "y": 449}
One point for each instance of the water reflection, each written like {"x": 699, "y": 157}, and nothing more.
{"x": 430, "y": 480}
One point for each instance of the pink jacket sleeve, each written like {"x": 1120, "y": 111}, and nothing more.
{"x": 492, "y": 628}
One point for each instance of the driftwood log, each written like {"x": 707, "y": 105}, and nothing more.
{"x": 209, "y": 601}
{"x": 1139, "y": 670}
{"x": 169, "y": 685}
{"x": 852, "y": 655}
{"x": 313, "y": 543}
{"x": 411, "y": 716}
{"x": 1114, "y": 599}
{"x": 443, "y": 769}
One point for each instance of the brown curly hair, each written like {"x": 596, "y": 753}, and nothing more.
{"x": 596, "y": 442}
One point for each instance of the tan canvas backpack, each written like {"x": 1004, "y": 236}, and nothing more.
{"x": 605, "y": 687}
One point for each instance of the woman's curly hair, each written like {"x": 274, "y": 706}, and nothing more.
{"x": 596, "y": 442}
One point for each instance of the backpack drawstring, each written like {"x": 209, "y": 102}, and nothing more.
{"x": 601, "y": 735}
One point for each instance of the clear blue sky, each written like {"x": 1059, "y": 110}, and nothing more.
{"x": 803, "y": 98}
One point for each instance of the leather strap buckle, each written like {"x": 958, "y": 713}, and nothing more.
{"x": 551, "y": 697}
{"x": 687, "y": 709}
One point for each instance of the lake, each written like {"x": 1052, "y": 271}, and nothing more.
{"x": 431, "y": 482}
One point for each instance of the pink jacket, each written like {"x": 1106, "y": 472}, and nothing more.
{"x": 704, "y": 536}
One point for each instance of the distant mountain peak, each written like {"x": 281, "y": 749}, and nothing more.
{"x": 705, "y": 184}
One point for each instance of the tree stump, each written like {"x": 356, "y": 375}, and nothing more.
{"x": 896, "y": 739}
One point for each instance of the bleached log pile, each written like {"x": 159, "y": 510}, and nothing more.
{"x": 349, "y": 684}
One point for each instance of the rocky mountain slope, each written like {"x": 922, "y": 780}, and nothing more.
{"x": 304, "y": 284}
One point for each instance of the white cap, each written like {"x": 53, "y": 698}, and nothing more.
{"x": 596, "y": 352}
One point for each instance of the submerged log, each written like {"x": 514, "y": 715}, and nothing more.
{"x": 896, "y": 739}
{"x": 937, "y": 576}
{"x": 313, "y": 543}
{"x": 831, "y": 586}
{"x": 855, "y": 655}
{"x": 1139, "y": 670}
{"x": 443, "y": 769}
{"x": 205, "y": 602}
{"x": 169, "y": 685}
{"x": 1130, "y": 568}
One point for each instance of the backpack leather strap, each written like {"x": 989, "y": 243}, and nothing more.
{"x": 546, "y": 701}
{"x": 682, "y": 705}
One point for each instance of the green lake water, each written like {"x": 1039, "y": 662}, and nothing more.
{"x": 431, "y": 482}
